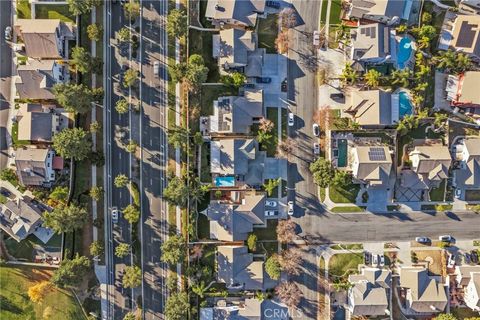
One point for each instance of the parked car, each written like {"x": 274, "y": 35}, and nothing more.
{"x": 474, "y": 256}
{"x": 8, "y": 33}
{"x": 338, "y": 97}
{"x": 467, "y": 258}
{"x": 284, "y": 87}
{"x": 5, "y": 192}
{"x": 291, "y": 118}
{"x": 445, "y": 238}
{"x": 115, "y": 214}
{"x": 271, "y": 213}
{"x": 271, "y": 203}
{"x": 316, "y": 38}
{"x": 458, "y": 193}
{"x": 249, "y": 85}
{"x": 375, "y": 260}
{"x": 156, "y": 68}
{"x": 451, "y": 261}
{"x": 273, "y": 4}
{"x": 290, "y": 208}
{"x": 382, "y": 260}
{"x": 316, "y": 130}
{"x": 422, "y": 239}
{"x": 316, "y": 148}
{"x": 264, "y": 79}
{"x": 367, "y": 257}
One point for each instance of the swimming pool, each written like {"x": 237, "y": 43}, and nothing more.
{"x": 404, "y": 51}
{"x": 225, "y": 181}
{"x": 405, "y": 105}
{"x": 342, "y": 153}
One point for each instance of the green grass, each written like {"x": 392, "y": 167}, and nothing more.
{"x": 344, "y": 195}
{"x": 23, "y": 9}
{"x": 322, "y": 194}
{"x": 348, "y": 246}
{"x": 211, "y": 93}
{"x": 284, "y": 123}
{"x": 203, "y": 8}
{"x": 438, "y": 194}
{"x": 347, "y": 209}
{"x": 267, "y": 248}
{"x": 24, "y": 248}
{"x": 203, "y": 227}
{"x": 464, "y": 313}
{"x": 268, "y": 233}
{"x": 54, "y": 11}
{"x": 3, "y": 199}
{"x": 267, "y": 33}
{"x": 323, "y": 18}
{"x": 17, "y": 143}
{"x": 472, "y": 195}
{"x": 202, "y": 44}
{"x": 335, "y": 9}
{"x": 271, "y": 145}
{"x": 341, "y": 265}
{"x": 82, "y": 178}
{"x": 205, "y": 174}
{"x": 437, "y": 207}
{"x": 15, "y": 304}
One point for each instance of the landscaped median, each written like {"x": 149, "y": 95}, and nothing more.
{"x": 348, "y": 209}
{"x": 436, "y": 207}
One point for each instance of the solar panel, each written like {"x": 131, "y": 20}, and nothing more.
{"x": 377, "y": 154}
{"x": 466, "y": 35}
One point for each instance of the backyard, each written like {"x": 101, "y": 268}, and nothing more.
{"x": 267, "y": 33}
{"x": 203, "y": 45}
{"x": 24, "y": 249}
{"x": 417, "y": 133}
{"x": 15, "y": 304}
{"x": 344, "y": 194}
{"x": 211, "y": 93}
{"x": 54, "y": 11}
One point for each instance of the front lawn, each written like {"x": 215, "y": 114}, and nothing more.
{"x": 202, "y": 45}
{"x": 17, "y": 143}
{"x": 341, "y": 265}
{"x": 348, "y": 194}
{"x": 472, "y": 195}
{"x": 438, "y": 194}
{"x": 267, "y": 33}
{"x": 54, "y": 11}
{"x": 271, "y": 144}
{"x": 15, "y": 304}
{"x": 347, "y": 209}
{"x": 268, "y": 233}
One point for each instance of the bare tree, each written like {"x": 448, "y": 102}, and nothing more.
{"x": 289, "y": 293}
{"x": 286, "y": 230}
{"x": 284, "y": 148}
{"x": 196, "y": 252}
{"x": 266, "y": 125}
{"x": 290, "y": 261}
{"x": 287, "y": 18}
{"x": 282, "y": 42}
{"x": 323, "y": 117}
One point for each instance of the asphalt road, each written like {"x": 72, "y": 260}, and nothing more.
{"x": 118, "y": 161}
{"x": 154, "y": 155}
{"x": 5, "y": 78}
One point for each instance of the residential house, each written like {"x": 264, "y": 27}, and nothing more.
{"x": 371, "y": 44}
{"x": 373, "y": 108}
{"x": 35, "y": 166}
{"x": 234, "y": 13}
{"x": 370, "y": 292}
{"x": 471, "y": 293}
{"x": 39, "y": 123}
{"x": 245, "y": 308}
{"x": 36, "y": 79}
{"x": 424, "y": 294}
{"x": 236, "y": 114}
{"x": 470, "y": 6}
{"x": 231, "y": 48}
{"x": 386, "y": 11}
{"x": 371, "y": 165}
{"x": 463, "y": 274}
{"x": 462, "y": 90}
{"x": 20, "y": 217}
{"x": 237, "y": 269}
{"x": 239, "y": 162}
{"x": 462, "y": 35}
{"x": 45, "y": 38}
{"x": 468, "y": 153}
{"x": 234, "y": 221}
{"x": 429, "y": 166}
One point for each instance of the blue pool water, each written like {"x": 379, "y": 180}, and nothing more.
{"x": 225, "y": 181}
{"x": 405, "y": 105}
{"x": 404, "y": 51}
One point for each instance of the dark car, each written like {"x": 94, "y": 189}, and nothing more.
{"x": 273, "y": 4}
{"x": 367, "y": 257}
{"x": 339, "y": 97}
{"x": 264, "y": 79}
{"x": 5, "y": 192}
{"x": 284, "y": 85}
{"x": 474, "y": 256}
{"x": 249, "y": 85}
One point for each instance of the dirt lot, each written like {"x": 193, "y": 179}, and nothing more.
{"x": 434, "y": 257}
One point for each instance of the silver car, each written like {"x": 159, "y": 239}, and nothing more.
{"x": 156, "y": 68}
{"x": 8, "y": 33}
{"x": 115, "y": 214}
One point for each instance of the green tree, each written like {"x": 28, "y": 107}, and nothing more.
{"x": 81, "y": 59}
{"x": 177, "y": 192}
{"x": 445, "y": 316}
{"x": 401, "y": 77}
{"x": 177, "y": 71}
{"x": 197, "y": 72}
{"x": 198, "y": 190}
{"x": 178, "y": 136}
{"x": 78, "y": 7}
{"x": 76, "y": 98}
{"x": 9, "y": 175}
{"x": 59, "y": 194}
{"x": 121, "y": 181}
{"x": 252, "y": 242}
{"x": 172, "y": 282}
{"x": 425, "y": 31}
{"x": 264, "y": 136}
{"x": 341, "y": 178}
{"x": 130, "y": 78}
{"x": 402, "y": 28}
{"x": 322, "y": 172}
{"x": 95, "y": 32}
{"x": 446, "y": 60}
{"x": 271, "y": 185}
{"x": 272, "y": 267}
{"x": 71, "y": 272}
{"x": 96, "y": 248}
{"x": 408, "y": 123}
{"x": 426, "y": 17}
{"x": 372, "y": 78}
{"x": 132, "y": 146}
{"x": 123, "y": 35}
{"x": 131, "y": 213}
{"x": 132, "y": 9}
{"x": 235, "y": 79}
{"x": 129, "y": 316}
{"x": 177, "y": 23}
{"x": 349, "y": 75}
{"x": 177, "y": 306}
{"x": 199, "y": 289}
{"x": 72, "y": 143}
{"x": 122, "y": 250}
{"x": 132, "y": 277}
{"x": 96, "y": 193}
{"x": 422, "y": 72}
{"x": 122, "y": 106}
{"x": 174, "y": 249}
{"x": 65, "y": 218}
{"x": 462, "y": 62}
{"x": 95, "y": 127}
{"x": 423, "y": 42}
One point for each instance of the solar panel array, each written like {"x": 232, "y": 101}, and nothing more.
{"x": 377, "y": 154}
{"x": 466, "y": 35}
{"x": 369, "y": 32}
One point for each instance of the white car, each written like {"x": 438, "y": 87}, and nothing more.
{"x": 316, "y": 148}
{"x": 422, "y": 239}
{"x": 316, "y": 130}
{"x": 451, "y": 261}
{"x": 316, "y": 38}
{"x": 290, "y": 208}
{"x": 458, "y": 193}
{"x": 382, "y": 260}
{"x": 270, "y": 213}
{"x": 271, "y": 203}
{"x": 291, "y": 119}
{"x": 375, "y": 260}
{"x": 115, "y": 214}
{"x": 8, "y": 33}
{"x": 156, "y": 68}
{"x": 445, "y": 238}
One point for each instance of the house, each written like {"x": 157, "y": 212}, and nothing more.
{"x": 237, "y": 269}
{"x": 371, "y": 165}
{"x": 36, "y": 79}
{"x": 234, "y": 221}
{"x": 471, "y": 293}
{"x": 386, "y": 11}
{"x": 245, "y": 308}
{"x": 239, "y": 162}
{"x": 424, "y": 294}
{"x": 370, "y": 292}
{"x": 371, "y": 44}
{"x": 430, "y": 165}
{"x": 462, "y": 90}
{"x": 39, "y": 123}
{"x": 231, "y": 48}
{"x": 470, "y": 6}
{"x": 373, "y": 108}
{"x": 463, "y": 274}
{"x": 234, "y": 13}
{"x": 45, "y": 38}
{"x": 236, "y": 114}
{"x": 34, "y": 166}
{"x": 20, "y": 217}
{"x": 468, "y": 174}
{"x": 463, "y": 35}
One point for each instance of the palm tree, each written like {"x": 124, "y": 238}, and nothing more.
{"x": 372, "y": 78}
{"x": 271, "y": 185}
{"x": 462, "y": 62}
{"x": 421, "y": 87}
{"x": 199, "y": 289}
{"x": 349, "y": 75}
{"x": 423, "y": 42}
{"x": 198, "y": 190}
{"x": 422, "y": 72}
{"x": 440, "y": 119}
{"x": 401, "y": 77}
{"x": 446, "y": 60}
